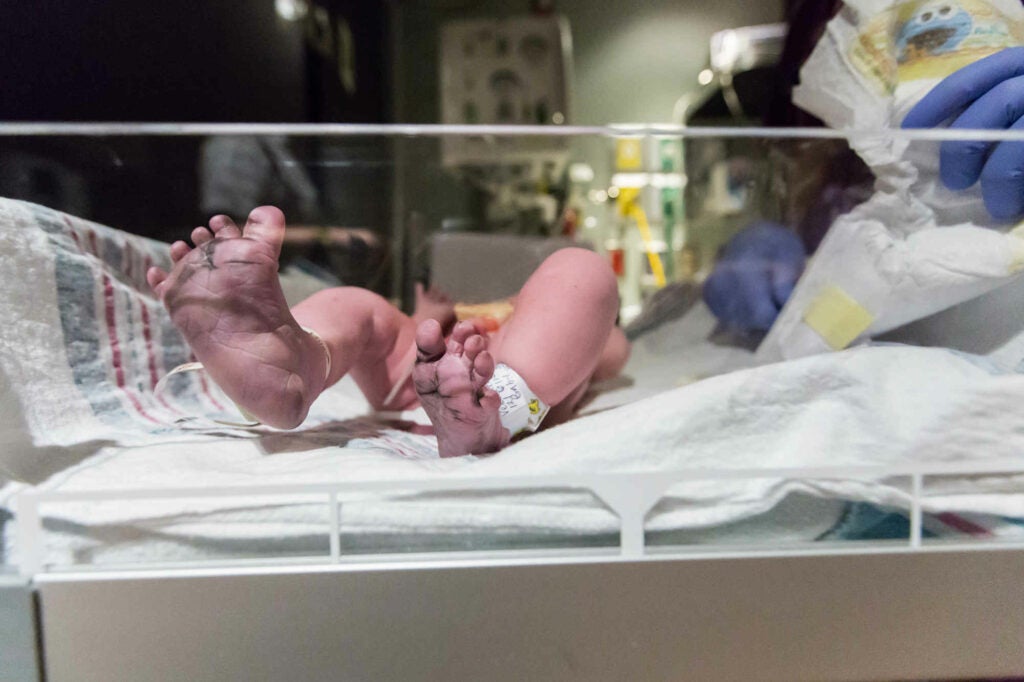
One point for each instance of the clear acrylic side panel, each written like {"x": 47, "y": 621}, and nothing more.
{"x": 823, "y": 513}
{"x": 131, "y": 529}
{"x": 817, "y": 317}
{"x": 367, "y": 203}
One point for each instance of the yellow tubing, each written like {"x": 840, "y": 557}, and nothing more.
{"x": 652, "y": 256}
{"x": 629, "y": 206}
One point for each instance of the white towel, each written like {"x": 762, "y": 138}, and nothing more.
{"x": 889, "y": 405}
{"x": 84, "y": 343}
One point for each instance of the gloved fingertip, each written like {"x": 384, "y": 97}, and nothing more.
{"x": 1004, "y": 208}
{"x": 955, "y": 177}
{"x": 913, "y": 120}
{"x": 782, "y": 290}
{"x": 1002, "y": 179}
{"x": 927, "y": 113}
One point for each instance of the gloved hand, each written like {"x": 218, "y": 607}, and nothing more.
{"x": 986, "y": 94}
{"x": 754, "y": 276}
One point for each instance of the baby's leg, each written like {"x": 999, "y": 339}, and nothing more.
{"x": 225, "y": 298}
{"x": 563, "y": 321}
{"x": 369, "y": 338}
{"x": 613, "y": 358}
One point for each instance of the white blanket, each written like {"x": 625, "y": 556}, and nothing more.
{"x": 871, "y": 406}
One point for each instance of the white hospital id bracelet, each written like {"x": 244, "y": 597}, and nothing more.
{"x": 521, "y": 410}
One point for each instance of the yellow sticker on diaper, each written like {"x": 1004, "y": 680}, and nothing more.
{"x": 837, "y": 317}
{"x": 1016, "y": 237}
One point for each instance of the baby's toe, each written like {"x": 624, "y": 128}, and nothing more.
{"x": 201, "y": 235}
{"x": 429, "y": 341}
{"x": 266, "y": 224}
{"x": 155, "y": 277}
{"x": 483, "y": 369}
{"x": 462, "y": 331}
{"x": 224, "y": 227}
{"x": 489, "y": 400}
{"x": 473, "y": 345}
{"x": 179, "y": 250}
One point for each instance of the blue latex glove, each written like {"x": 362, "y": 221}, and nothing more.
{"x": 754, "y": 276}
{"x": 986, "y": 94}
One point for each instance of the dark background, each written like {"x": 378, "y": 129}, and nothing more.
{"x": 220, "y": 60}
{"x": 212, "y": 61}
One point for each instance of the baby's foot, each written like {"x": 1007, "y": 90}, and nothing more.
{"x": 451, "y": 379}
{"x": 225, "y": 298}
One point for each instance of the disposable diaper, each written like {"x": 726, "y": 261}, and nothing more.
{"x": 914, "y": 248}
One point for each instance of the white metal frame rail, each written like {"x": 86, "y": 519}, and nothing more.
{"x": 629, "y": 495}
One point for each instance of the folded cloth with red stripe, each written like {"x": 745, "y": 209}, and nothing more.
{"x": 84, "y": 344}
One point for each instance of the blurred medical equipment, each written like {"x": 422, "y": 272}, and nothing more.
{"x": 672, "y": 217}
{"x": 732, "y": 52}
{"x": 723, "y": 179}
{"x": 511, "y": 71}
{"x": 500, "y": 72}
{"x": 644, "y": 236}
{"x": 504, "y": 71}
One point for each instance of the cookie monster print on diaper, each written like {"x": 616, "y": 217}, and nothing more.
{"x": 936, "y": 28}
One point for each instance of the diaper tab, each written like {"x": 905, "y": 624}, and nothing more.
{"x": 1016, "y": 237}
{"x": 837, "y": 317}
